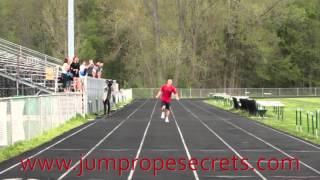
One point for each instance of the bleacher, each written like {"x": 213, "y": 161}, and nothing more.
{"x": 32, "y": 70}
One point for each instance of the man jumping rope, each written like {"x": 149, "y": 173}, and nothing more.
{"x": 165, "y": 92}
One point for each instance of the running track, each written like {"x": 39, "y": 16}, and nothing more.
{"x": 196, "y": 130}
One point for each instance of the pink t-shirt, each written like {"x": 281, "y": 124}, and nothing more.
{"x": 166, "y": 92}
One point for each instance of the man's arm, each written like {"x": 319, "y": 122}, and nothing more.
{"x": 177, "y": 96}
{"x": 159, "y": 93}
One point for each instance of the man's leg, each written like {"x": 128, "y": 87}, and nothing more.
{"x": 163, "y": 110}
{"x": 104, "y": 107}
{"x": 167, "y": 112}
{"x": 108, "y": 102}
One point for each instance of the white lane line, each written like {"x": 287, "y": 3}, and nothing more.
{"x": 45, "y": 149}
{"x": 296, "y": 177}
{"x": 100, "y": 142}
{"x": 288, "y": 135}
{"x": 274, "y": 147}
{"x": 141, "y": 143}
{"x": 164, "y": 150}
{"x": 224, "y": 142}
{"x": 177, "y": 150}
{"x": 285, "y": 177}
{"x": 62, "y": 149}
{"x": 260, "y": 139}
{"x": 185, "y": 145}
{"x": 223, "y": 150}
{"x": 297, "y": 139}
{"x": 123, "y": 149}
{"x": 117, "y": 150}
{"x": 121, "y": 109}
{"x": 303, "y": 151}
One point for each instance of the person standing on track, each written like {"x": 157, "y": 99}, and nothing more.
{"x": 106, "y": 97}
{"x": 165, "y": 92}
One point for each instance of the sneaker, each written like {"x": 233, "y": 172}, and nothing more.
{"x": 167, "y": 120}
{"x": 163, "y": 115}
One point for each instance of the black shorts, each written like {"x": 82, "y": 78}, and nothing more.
{"x": 166, "y": 104}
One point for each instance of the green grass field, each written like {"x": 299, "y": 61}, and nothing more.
{"x": 288, "y": 124}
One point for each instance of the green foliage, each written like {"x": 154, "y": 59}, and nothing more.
{"x": 222, "y": 43}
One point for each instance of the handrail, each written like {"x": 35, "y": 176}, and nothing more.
{"x": 42, "y": 95}
{"x": 19, "y": 48}
{"x": 9, "y": 60}
{"x": 25, "y": 55}
{"x": 14, "y": 55}
{"x": 41, "y": 88}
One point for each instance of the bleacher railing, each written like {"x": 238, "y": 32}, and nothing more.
{"x": 29, "y": 67}
{"x": 141, "y": 93}
{"x": 20, "y": 50}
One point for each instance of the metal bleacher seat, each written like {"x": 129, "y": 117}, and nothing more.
{"x": 28, "y": 68}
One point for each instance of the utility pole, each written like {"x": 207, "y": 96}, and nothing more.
{"x": 70, "y": 28}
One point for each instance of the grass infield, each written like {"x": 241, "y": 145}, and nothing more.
{"x": 288, "y": 124}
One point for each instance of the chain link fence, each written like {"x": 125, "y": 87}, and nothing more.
{"x": 142, "y": 93}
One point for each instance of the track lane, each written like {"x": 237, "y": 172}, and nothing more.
{"x": 78, "y": 140}
{"x": 163, "y": 141}
{"x": 232, "y": 121}
{"x": 209, "y": 134}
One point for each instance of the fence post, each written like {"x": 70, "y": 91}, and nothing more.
{"x": 200, "y": 93}
{"x": 190, "y": 92}
{"x": 41, "y": 123}
{"x": 297, "y": 119}
{"x": 75, "y": 102}
{"x": 312, "y": 125}
{"x": 300, "y": 124}
{"x": 85, "y": 96}
{"x": 28, "y": 107}
{"x": 317, "y": 123}
{"x": 151, "y": 93}
{"x": 10, "y": 139}
{"x": 97, "y": 105}
{"x": 18, "y": 70}
{"x": 56, "y": 80}
{"x": 297, "y": 91}
{"x": 45, "y": 62}
{"x": 279, "y": 91}
{"x": 308, "y": 124}
{"x": 315, "y": 91}
{"x": 317, "y": 119}
{"x": 262, "y": 92}
{"x": 51, "y": 111}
